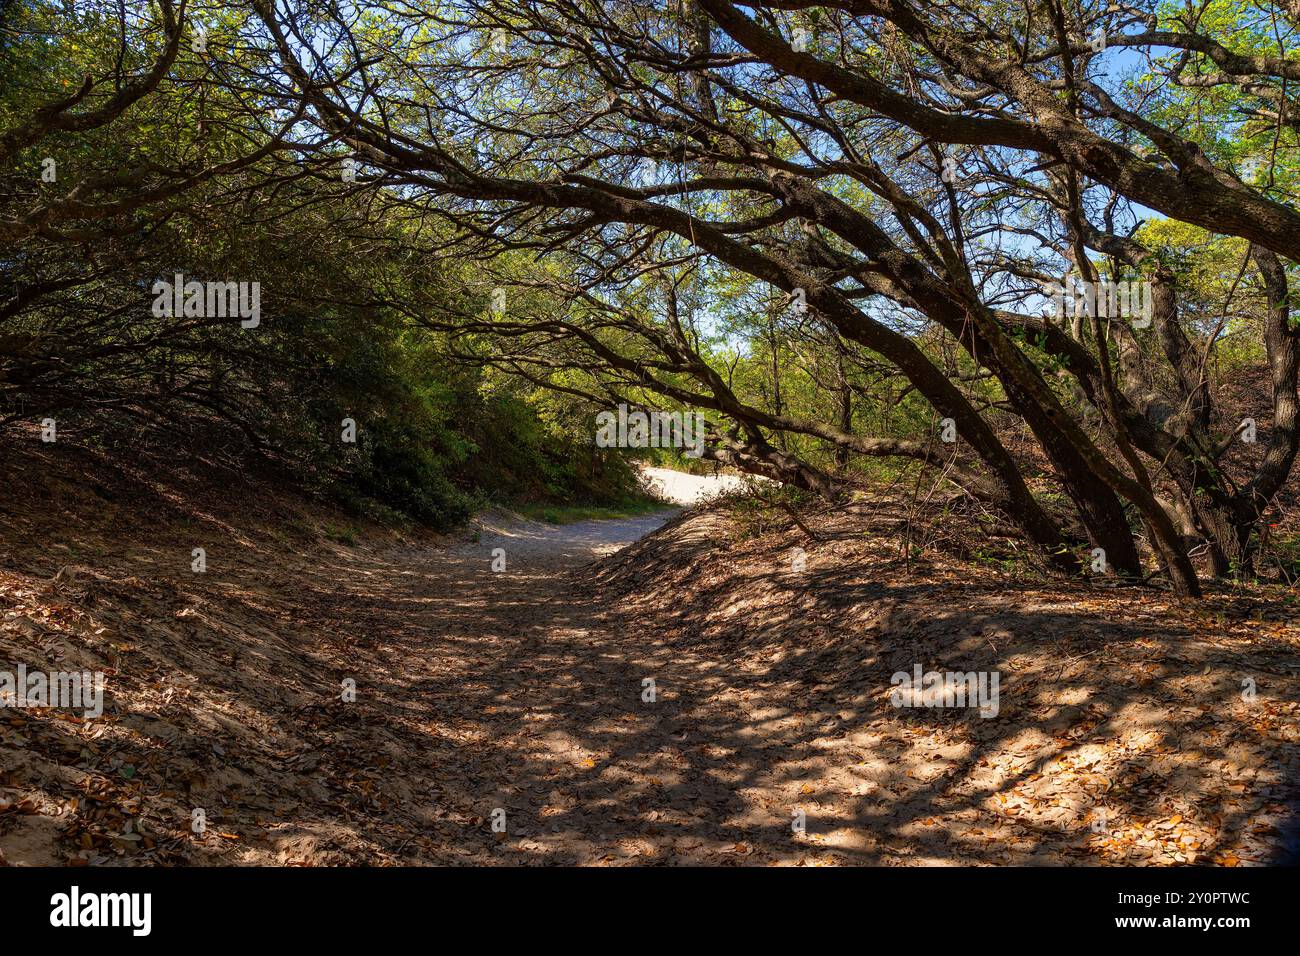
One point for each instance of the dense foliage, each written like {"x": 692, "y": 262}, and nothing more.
{"x": 184, "y": 180}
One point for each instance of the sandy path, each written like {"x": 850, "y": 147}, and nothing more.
{"x": 687, "y": 489}
{"x": 534, "y": 543}
{"x": 507, "y": 689}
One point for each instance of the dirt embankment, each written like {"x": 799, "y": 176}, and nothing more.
{"x": 1130, "y": 729}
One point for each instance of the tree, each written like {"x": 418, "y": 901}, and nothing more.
{"x": 859, "y": 156}
{"x": 845, "y": 231}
